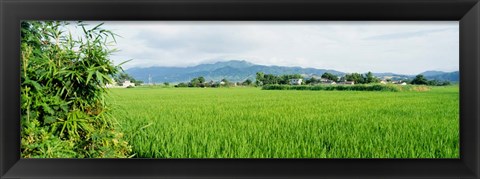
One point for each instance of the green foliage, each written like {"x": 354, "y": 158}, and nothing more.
{"x": 330, "y": 76}
{"x": 369, "y": 78}
{"x": 269, "y": 79}
{"x": 254, "y": 123}
{"x": 166, "y": 83}
{"x": 438, "y": 83}
{"x": 356, "y": 77}
{"x": 247, "y": 82}
{"x": 312, "y": 81}
{"x": 39, "y": 142}
{"x": 200, "y": 82}
{"x": 377, "y": 87}
{"x": 63, "y": 92}
{"x": 196, "y": 81}
{"x": 361, "y": 78}
{"x": 419, "y": 80}
{"x": 181, "y": 85}
{"x": 201, "y": 79}
{"x": 259, "y": 78}
{"x": 122, "y": 77}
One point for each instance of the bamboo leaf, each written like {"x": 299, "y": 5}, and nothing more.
{"x": 124, "y": 62}
{"x": 90, "y": 73}
{"x": 35, "y": 84}
{"x": 98, "y": 26}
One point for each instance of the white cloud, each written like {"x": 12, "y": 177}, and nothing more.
{"x": 401, "y": 47}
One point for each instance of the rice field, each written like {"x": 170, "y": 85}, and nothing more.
{"x": 245, "y": 122}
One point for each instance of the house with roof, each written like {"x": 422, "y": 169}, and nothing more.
{"x": 326, "y": 81}
{"x": 296, "y": 81}
{"x": 127, "y": 83}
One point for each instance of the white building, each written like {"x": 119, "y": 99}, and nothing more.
{"x": 295, "y": 81}
{"x": 127, "y": 83}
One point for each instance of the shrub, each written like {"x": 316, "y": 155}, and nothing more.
{"x": 362, "y": 87}
{"x": 63, "y": 108}
{"x": 181, "y": 85}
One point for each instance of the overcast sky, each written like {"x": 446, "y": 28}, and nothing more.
{"x": 399, "y": 47}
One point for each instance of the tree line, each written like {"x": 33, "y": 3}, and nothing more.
{"x": 271, "y": 79}
{"x": 262, "y": 79}
{"x": 421, "y": 80}
{"x": 202, "y": 83}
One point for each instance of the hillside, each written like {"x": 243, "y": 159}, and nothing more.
{"x": 240, "y": 70}
{"x": 234, "y": 70}
{"x": 443, "y": 76}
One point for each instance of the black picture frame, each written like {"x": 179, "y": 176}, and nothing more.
{"x": 467, "y": 12}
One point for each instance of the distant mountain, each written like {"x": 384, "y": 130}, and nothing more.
{"x": 442, "y": 76}
{"x": 231, "y": 63}
{"x": 240, "y": 70}
{"x": 234, "y": 70}
{"x": 432, "y": 73}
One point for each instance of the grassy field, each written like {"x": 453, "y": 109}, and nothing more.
{"x": 254, "y": 123}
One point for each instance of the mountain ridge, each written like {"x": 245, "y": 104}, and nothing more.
{"x": 240, "y": 70}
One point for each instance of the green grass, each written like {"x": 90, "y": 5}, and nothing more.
{"x": 253, "y": 123}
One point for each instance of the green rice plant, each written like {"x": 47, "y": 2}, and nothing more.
{"x": 255, "y": 123}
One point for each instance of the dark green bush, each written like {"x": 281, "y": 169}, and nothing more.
{"x": 361, "y": 87}
{"x": 63, "y": 108}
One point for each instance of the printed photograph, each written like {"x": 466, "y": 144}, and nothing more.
{"x": 240, "y": 89}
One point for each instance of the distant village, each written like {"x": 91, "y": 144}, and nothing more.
{"x": 124, "y": 84}
{"x": 126, "y": 81}
{"x": 295, "y": 79}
